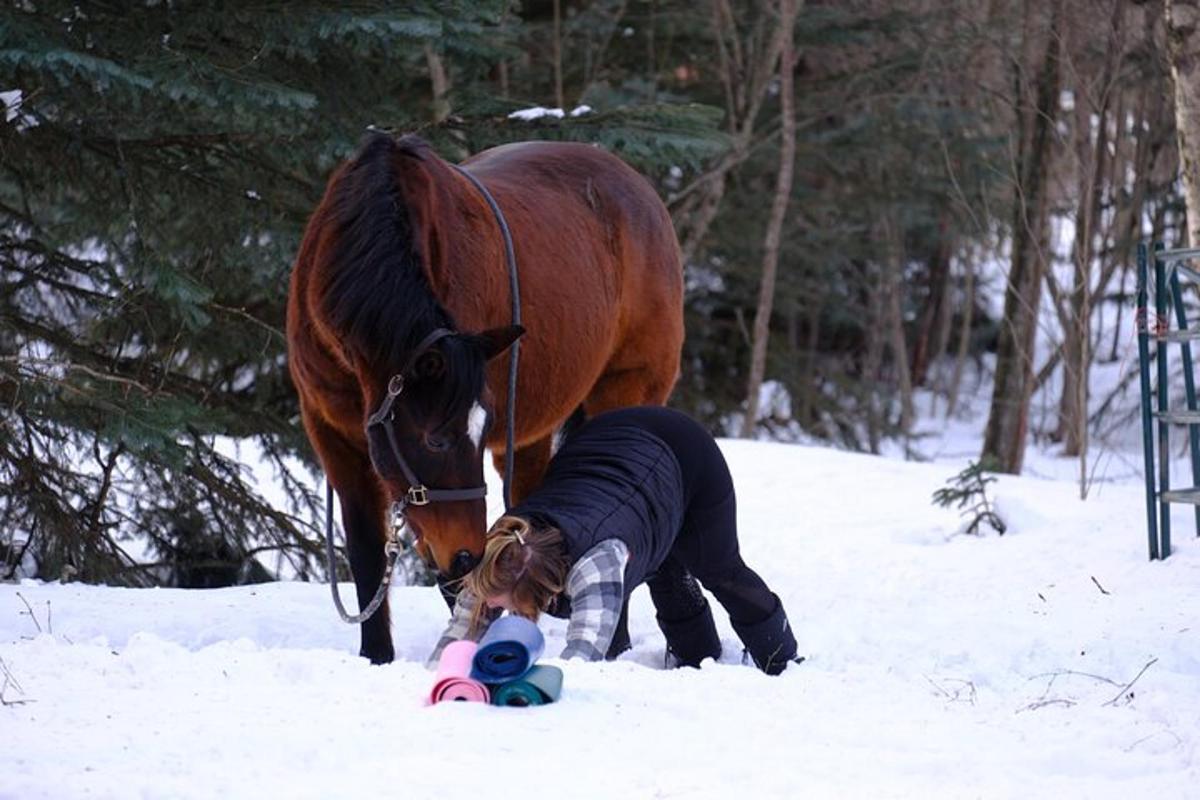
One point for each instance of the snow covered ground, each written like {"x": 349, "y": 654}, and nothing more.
{"x": 1054, "y": 661}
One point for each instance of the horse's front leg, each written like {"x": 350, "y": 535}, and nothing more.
{"x": 364, "y": 519}
{"x": 365, "y": 538}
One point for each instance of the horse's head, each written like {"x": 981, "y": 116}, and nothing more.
{"x": 426, "y": 437}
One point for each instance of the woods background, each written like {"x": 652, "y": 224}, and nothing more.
{"x": 876, "y": 201}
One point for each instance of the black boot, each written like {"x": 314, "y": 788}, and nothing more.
{"x": 769, "y": 642}
{"x": 692, "y": 640}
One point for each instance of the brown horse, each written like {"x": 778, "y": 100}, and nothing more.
{"x": 401, "y": 247}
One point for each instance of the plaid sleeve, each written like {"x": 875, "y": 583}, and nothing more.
{"x": 459, "y": 626}
{"x": 596, "y": 589}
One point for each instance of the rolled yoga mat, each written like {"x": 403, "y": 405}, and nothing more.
{"x": 453, "y": 675}
{"x": 509, "y": 648}
{"x": 541, "y": 685}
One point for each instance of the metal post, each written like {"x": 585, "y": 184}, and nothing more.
{"x": 1164, "y": 428}
{"x": 1143, "y": 339}
{"x": 1189, "y": 386}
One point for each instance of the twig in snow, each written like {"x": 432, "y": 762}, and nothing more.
{"x": 29, "y": 612}
{"x": 1168, "y": 732}
{"x": 955, "y": 696}
{"x": 1129, "y": 685}
{"x": 10, "y": 680}
{"x": 1046, "y": 700}
{"x": 1054, "y": 701}
{"x": 1055, "y": 675}
{"x": 1098, "y": 586}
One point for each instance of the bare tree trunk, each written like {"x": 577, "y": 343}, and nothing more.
{"x": 941, "y": 338}
{"x": 771, "y": 241}
{"x": 1183, "y": 45}
{"x": 558, "y": 77}
{"x": 929, "y": 323}
{"x": 651, "y": 54}
{"x": 1008, "y": 420}
{"x": 1092, "y": 162}
{"x": 873, "y": 349}
{"x": 806, "y": 414}
{"x": 964, "y": 339}
{"x": 1151, "y": 117}
{"x": 745, "y": 84}
{"x": 893, "y": 268}
{"x": 440, "y": 81}
{"x": 502, "y": 65}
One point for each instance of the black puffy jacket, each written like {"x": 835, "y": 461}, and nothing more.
{"x": 613, "y": 479}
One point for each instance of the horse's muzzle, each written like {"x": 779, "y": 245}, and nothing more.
{"x": 462, "y": 563}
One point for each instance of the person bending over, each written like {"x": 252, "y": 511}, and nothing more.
{"x": 637, "y": 495}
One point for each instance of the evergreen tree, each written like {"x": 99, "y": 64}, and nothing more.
{"x": 157, "y": 165}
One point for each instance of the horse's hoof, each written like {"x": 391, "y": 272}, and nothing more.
{"x": 378, "y": 655}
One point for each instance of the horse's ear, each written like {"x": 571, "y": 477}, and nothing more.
{"x": 495, "y": 341}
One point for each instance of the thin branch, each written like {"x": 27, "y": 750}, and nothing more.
{"x": 1129, "y": 685}
{"x": 29, "y": 612}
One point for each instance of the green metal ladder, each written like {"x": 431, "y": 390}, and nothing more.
{"x": 1169, "y": 265}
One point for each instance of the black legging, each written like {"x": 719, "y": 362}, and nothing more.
{"x": 707, "y": 545}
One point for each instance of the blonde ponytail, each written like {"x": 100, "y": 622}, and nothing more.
{"x": 523, "y": 561}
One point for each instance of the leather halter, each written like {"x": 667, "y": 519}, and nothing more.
{"x": 418, "y": 494}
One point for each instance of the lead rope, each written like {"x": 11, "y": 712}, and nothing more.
{"x": 514, "y": 288}
{"x": 394, "y": 545}
{"x": 392, "y": 548}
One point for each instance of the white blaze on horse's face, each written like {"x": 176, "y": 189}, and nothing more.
{"x": 476, "y": 421}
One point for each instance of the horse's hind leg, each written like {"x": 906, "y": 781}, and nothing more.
{"x": 364, "y": 511}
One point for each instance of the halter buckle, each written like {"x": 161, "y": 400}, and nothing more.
{"x": 393, "y": 547}
{"x": 418, "y": 496}
{"x": 395, "y": 385}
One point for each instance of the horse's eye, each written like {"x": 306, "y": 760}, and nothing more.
{"x": 437, "y": 443}
{"x": 431, "y": 366}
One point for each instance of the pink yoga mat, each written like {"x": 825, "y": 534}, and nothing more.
{"x": 453, "y": 681}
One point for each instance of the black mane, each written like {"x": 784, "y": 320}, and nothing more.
{"x": 379, "y": 298}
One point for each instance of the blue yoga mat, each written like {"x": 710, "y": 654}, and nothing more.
{"x": 509, "y": 648}
{"x": 541, "y": 685}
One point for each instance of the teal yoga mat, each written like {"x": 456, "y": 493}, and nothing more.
{"x": 539, "y": 686}
{"x": 507, "y": 650}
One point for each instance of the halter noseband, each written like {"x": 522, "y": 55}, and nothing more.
{"x": 418, "y": 494}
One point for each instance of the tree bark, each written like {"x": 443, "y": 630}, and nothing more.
{"x": 964, "y": 338}
{"x": 558, "y": 76}
{"x": 745, "y": 86}
{"x": 872, "y": 353}
{"x": 893, "y": 269}
{"x": 1183, "y": 47}
{"x": 440, "y": 81}
{"x": 929, "y": 324}
{"x": 1092, "y": 160}
{"x": 772, "y": 239}
{"x": 1008, "y": 420}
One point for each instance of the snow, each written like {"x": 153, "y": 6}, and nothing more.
{"x": 536, "y": 112}
{"x": 939, "y": 665}
{"x": 540, "y": 112}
